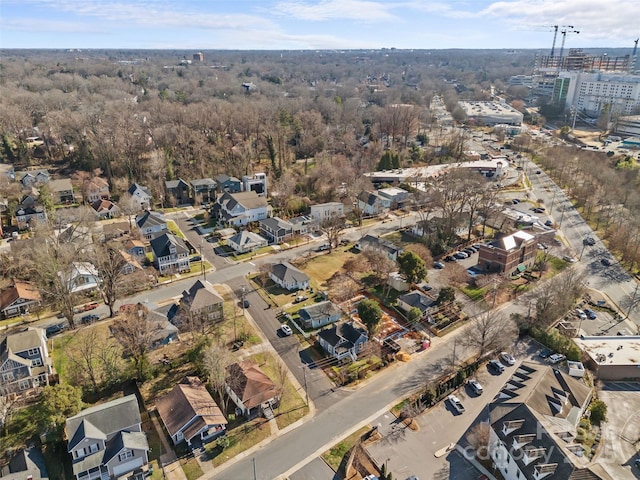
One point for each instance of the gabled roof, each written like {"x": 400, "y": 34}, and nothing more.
{"x": 103, "y": 205}
{"x": 276, "y": 223}
{"x": 28, "y": 463}
{"x": 104, "y": 419}
{"x": 19, "y": 289}
{"x": 247, "y": 238}
{"x": 14, "y": 343}
{"x": 175, "y": 183}
{"x": 319, "y": 311}
{"x": 96, "y": 183}
{"x": 417, "y": 299}
{"x": 345, "y": 333}
{"x": 133, "y": 243}
{"x": 223, "y": 178}
{"x": 60, "y": 185}
{"x": 250, "y": 383}
{"x": 369, "y": 198}
{"x": 136, "y": 187}
{"x": 204, "y": 182}
{"x": 162, "y": 244}
{"x": 248, "y": 200}
{"x": 187, "y": 400}
{"x": 379, "y": 243}
{"x": 200, "y": 295}
{"x": 287, "y": 273}
{"x": 150, "y": 219}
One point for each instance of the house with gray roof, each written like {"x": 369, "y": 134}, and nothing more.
{"x": 24, "y": 361}
{"x": 246, "y": 241}
{"x": 343, "y": 340}
{"x": 107, "y": 442}
{"x": 170, "y": 254}
{"x": 415, "y": 299}
{"x": 177, "y": 190}
{"x": 61, "y": 191}
{"x": 228, "y": 184}
{"x": 289, "y": 277}
{"x": 376, "y": 243}
{"x": 534, "y": 426}
{"x": 141, "y": 195}
{"x": 203, "y": 190}
{"x": 237, "y": 209}
{"x": 276, "y": 230}
{"x": 201, "y": 300}
{"x": 27, "y": 463}
{"x": 151, "y": 224}
{"x": 34, "y": 177}
{"x": 370, "y": 204}
{"x": 319, "y": 314}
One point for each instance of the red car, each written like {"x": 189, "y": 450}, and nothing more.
{"x": 90, "y": 306}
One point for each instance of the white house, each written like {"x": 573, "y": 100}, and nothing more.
{"x": 289, "y": 277}
{"x": 255, "y": 183}
{"x": 170, "y": 254}
{"x": 246, "y": 241}
{"x": 151, "y": 224}
{"x": 393, "y": 197}
{"x": 141, "y": 196}
{"x": 324, "y": 211}
{"x": 240, "y": 208}
{"x": 81, "y": 277}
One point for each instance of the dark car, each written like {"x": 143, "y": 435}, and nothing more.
{"x": 90, "y": 318}
{"x": 545, "y": 353}
{"x": 245, "y": 304}
{"x": 52, "y": 330}
{"x": 450, "y": 258}
{"x": 538, "y": 172}
{"x": 606, "y": 262}
{"x": 589, "y": 241}
{"x": 496, "y": 366}
{"x": 549, "y": 223}
{"x": 590, "y": 314}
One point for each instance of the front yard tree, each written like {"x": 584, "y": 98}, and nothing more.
{"x": 370, "y": 313}
{"x": 412, "y": 267}
{"x": 215, "y": 361}
{"x": 332, "y": 227}
{"x": 134, "y": 333}
{"x": 110, "y": 264}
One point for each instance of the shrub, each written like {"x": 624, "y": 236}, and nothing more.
{"x": 598, "y": 411}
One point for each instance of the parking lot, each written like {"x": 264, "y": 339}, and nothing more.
{"x": 618, "y": 452}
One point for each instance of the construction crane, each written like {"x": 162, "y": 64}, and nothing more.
{"x": 565, "y": 29}
{"x": 555, "y": 35}
{"x": 635, "y": 47}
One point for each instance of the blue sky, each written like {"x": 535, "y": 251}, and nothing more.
{"x": 314, "y": 24}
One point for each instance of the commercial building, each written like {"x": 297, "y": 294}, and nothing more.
{"x": 612, "y": 358}
{"x": 510, "y": 254}
{"x": 491, "y": 113}
{"x": 589, "y": 92}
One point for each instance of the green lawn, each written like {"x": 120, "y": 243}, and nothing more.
{"x": 191, "y": 468}
{"x": 173, "y": 228}
{"x": 323, "y": 267}
{"x": 240, "y": 439}
{"x": 335, "y": 454}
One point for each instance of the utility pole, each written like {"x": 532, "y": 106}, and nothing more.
{"x": 304, "y": 378}
{"x": 633, "y": 300}
{"x": 255, "y": 477}
{"x": 495, "y": 293}
{"x": 202, "y": 269}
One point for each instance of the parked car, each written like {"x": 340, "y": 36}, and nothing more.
{"x": 456, "y": 403}
{"x": 590, "y": 314}
{"x": 569, "y": 258}
{"x": 52, "y": 330}
{"x": 538, "y": 172}
{"x": 556, "y": 358}
{"x": 245, "y": 303}
{"x": 438, "y": 265}
{"x": 475, "y": 387}
{"x": 450, "y": 258}
{"x": 323, "y": 247}
{"x": 538, "y": 210}
{"x": 589, "y": 241}
{"x": 581, "y": 314}
{"x": 469, "y": 251}
{"x": 90, "y": 318}
{"x": 545, "y": 353}
{"x": 496, "y": 366}
{"x": 606, "y": 262}
{"x": 300, "y": 298}
{"x": 461, "y": 255}
{"x": 196, "y": 258}
{"x": 549, "y": 223}
{"x": 515, "y": 201}
{"x": 286, "y": 330}
{"x": 507, "y": 358}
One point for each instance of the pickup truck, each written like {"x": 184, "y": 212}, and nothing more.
{"x": 456, "y": 403}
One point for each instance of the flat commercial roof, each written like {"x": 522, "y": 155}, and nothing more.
{"x": 614, "y": 350}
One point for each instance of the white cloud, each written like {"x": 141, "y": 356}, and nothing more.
{"x": 615, "y": 20}
{"x": 44, "y": 25}
{"x": 359, "y": 10}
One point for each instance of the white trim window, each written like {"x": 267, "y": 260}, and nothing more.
{"x": 125, "y": 454}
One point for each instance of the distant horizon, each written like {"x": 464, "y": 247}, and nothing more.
{"x": 309, "y": 25}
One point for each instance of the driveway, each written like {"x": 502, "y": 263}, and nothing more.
{"x": 622, "y": 429}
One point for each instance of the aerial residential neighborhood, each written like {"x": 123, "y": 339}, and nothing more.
{"x": 361, "y": 264}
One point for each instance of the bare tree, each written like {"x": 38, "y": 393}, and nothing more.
{"x": 332, "y": 227}
{"x": 216, "y": 359}
{"x": 134, "y": 333}
{"x": 488, "y": 331}
{"x": 478, "y": 437}
{"x": 110, "y": 264}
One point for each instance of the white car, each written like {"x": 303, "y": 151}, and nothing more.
{"x": 475, "y": 386}
{"x": 581, "y": 314}
{"x": 556, "y": 358}
{"x": 286, "y": 330}
{"x": 456, "y": 403}
{"x": 507, "y": 358}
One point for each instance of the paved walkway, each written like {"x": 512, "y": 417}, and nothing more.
{"x": 168, "y": 461}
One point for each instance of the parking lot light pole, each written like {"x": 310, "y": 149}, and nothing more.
{"x": 584, "y": 245}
